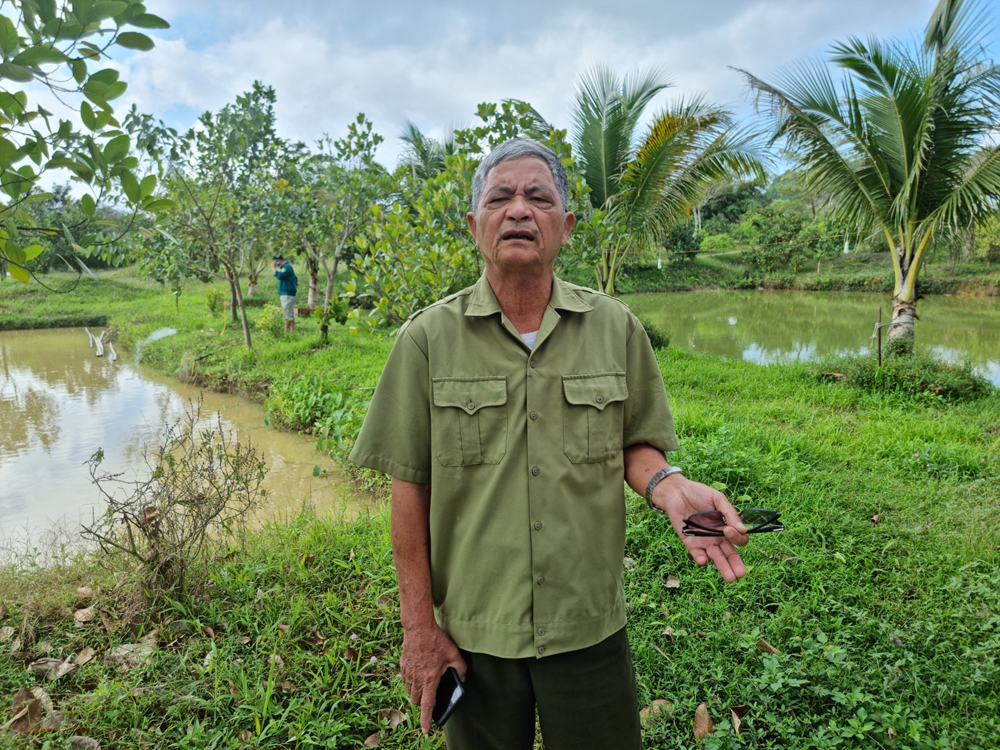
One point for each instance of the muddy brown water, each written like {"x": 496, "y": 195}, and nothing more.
{"x": 59, "y": 403}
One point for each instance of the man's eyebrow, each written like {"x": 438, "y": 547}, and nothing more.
{"x": 500, "y": 190}
{"x": 537, "y": 188}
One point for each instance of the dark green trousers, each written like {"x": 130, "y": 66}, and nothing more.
{"x": 586, "y": 700}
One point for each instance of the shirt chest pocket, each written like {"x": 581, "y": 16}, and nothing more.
{"x": 593, "y": 416}
{"x": 469, "y": 421}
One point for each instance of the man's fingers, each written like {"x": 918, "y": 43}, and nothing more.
{"x": 427, "y": 708}
{"x": 721, "y": 563}
{"x": 731, "y": 514}
{"x": 735, "y": 537}
{"x": 735, "y": 561}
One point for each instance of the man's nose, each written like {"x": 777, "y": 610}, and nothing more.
{"x": 519, "y": 208}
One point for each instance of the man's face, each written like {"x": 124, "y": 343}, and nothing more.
{"x": 520, "y": 222}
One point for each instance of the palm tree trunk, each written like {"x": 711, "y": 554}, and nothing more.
{"x": 904, "y": 315}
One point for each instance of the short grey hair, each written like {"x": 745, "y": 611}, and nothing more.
{"x": 520, "y": 148}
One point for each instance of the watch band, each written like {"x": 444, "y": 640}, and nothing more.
{"x": 657, "y": 478}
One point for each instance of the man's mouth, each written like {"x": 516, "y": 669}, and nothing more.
{"x": 518, "y": 234}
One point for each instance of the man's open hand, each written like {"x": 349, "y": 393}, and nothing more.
{"x": 681, "y": 498}
{"x": 427, "y": 654}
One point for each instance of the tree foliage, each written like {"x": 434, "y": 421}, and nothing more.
{"x": 62, "y": 47}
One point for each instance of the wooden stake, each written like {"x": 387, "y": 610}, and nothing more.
{"x": 880, "y": 335}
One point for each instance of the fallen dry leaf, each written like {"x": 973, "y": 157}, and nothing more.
{"x": 21, "y": 655}
{"x": 106, "y": 621}
{"x": 650, "y": 712}
{"x": 394, "y": 717}
{"x": 245, "y": 640}
{"x": 85, "y": 592}
{"x": 3, "y": 610}
{"x": 282, "y": 628}
{"x": 373, "y": 739}
{"x": 892, "y": 734}
{"x": 672, "y": 582}
{"x": 737, "y": 722}
{"x": 350, "y": 654}
{"x": 703, "y": 725}
{"x": 766, "y": 647}
{"x": 876, "y": 518}
{"x": 898, "y": 641}
{"x": 287, "y": 687}
{"x": 702, "y": 634}
{"x": 52, "y": 669}
{"x": 668, "y": 631}
{"x": 84, "y": 743}
{"x": 315, "y": 638}
{"x": 84, "y": 656}
{"x": 209, "y": 633}
{"x": 84, "y": 615}
{"x": 246, "y": 735}
{"x": 130, "y": 655}
{"x": 739, "y": 710}
{"x": 6, "y": 634}
{"x": 348, "y": 560}
{"x": 276, "y": 663}
{"x": 152, "y": 637}
{"x": 26, "y": 715}
{"x": 308, "y": 559}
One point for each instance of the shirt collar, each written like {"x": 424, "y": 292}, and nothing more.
{"x": 484, "y": 302}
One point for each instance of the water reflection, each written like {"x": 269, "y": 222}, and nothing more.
{"x": 59, "y": 403}
{"x": 768, "y": 327}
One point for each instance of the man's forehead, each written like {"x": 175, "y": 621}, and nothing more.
{"x": 529, "y": 171}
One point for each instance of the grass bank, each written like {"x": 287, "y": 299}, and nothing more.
{"x": 854, "y": 272}
{"x": 872, "y": 621}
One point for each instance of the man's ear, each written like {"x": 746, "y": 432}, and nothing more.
{"x": 471, "y": 219}
{"x": 568, "y": 224}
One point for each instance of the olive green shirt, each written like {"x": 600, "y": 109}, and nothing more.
{"x": 522, "y": 449}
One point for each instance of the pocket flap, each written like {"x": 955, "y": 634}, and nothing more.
{"x": 595, "y": 390}
{"x": 470, "y": 394}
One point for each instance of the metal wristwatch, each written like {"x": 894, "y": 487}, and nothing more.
{"x": 657, "y": 478}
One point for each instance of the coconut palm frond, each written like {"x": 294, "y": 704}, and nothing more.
{"x": 606, "y": 114}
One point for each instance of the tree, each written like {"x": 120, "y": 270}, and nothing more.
{"x": 646, "y": 185}
{"x": 424, "y": 157}
{"x": 56, "y": 45}
{"x": 220, "y": 171}
{"x": 905, "y": 146}
{"x": 324, "y": 200}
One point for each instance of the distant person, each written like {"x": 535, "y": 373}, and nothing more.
{"x": 288, "y": 287}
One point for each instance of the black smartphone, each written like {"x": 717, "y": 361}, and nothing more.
{"x": 449, "y": 693}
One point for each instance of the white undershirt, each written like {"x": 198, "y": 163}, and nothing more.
{"x": 529, "y": 338}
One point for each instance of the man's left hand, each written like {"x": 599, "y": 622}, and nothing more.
{"x": 682, "y": 498}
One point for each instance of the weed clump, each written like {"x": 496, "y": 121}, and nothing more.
{"x": 910, "y": 372}
{"x": 658, "y": 338}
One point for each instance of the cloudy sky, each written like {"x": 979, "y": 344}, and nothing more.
{"x": 433, "y": 61}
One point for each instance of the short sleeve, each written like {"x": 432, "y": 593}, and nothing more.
{"x": 647, "y": 412}
{"x": 395, "y": 436}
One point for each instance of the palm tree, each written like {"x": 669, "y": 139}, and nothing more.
{"x": 905, "y": 145}
{"x": 423, "y": 155}
{"x": 647, "y": 184}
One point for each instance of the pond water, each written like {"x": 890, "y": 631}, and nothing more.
{"x": 770, "y": 326}
{"x": 59, "y": 403}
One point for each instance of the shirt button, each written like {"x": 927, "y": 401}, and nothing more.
{"x": 538, "y": 525}
{"x": 534, "y": 471}
{"x": 541, "y": 631}
{"x": 599, "y": 399}
{"x": 541, "y": 649}
{"x": 534, "y": 415}
{"x": 532, "y": 363}
{"x": 472, "y": 406}
{"x": 541, "y": 580}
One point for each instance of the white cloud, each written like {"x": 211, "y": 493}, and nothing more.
{"x": 433, "y": 62}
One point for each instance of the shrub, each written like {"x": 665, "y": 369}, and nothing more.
{"x": 215, "y": 301}
{"x": 271, "y": 319}
{"x": 659, "y": 338}
{"x": 683, "y": 241}
{"x": 910, "y": 372}
{"x": 718, "y": 242}
{"x": 202, "y": 486}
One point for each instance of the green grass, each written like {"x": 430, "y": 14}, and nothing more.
{"x": 882, "y": 595}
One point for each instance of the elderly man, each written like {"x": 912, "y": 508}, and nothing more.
{"x": 510, "y": 415}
